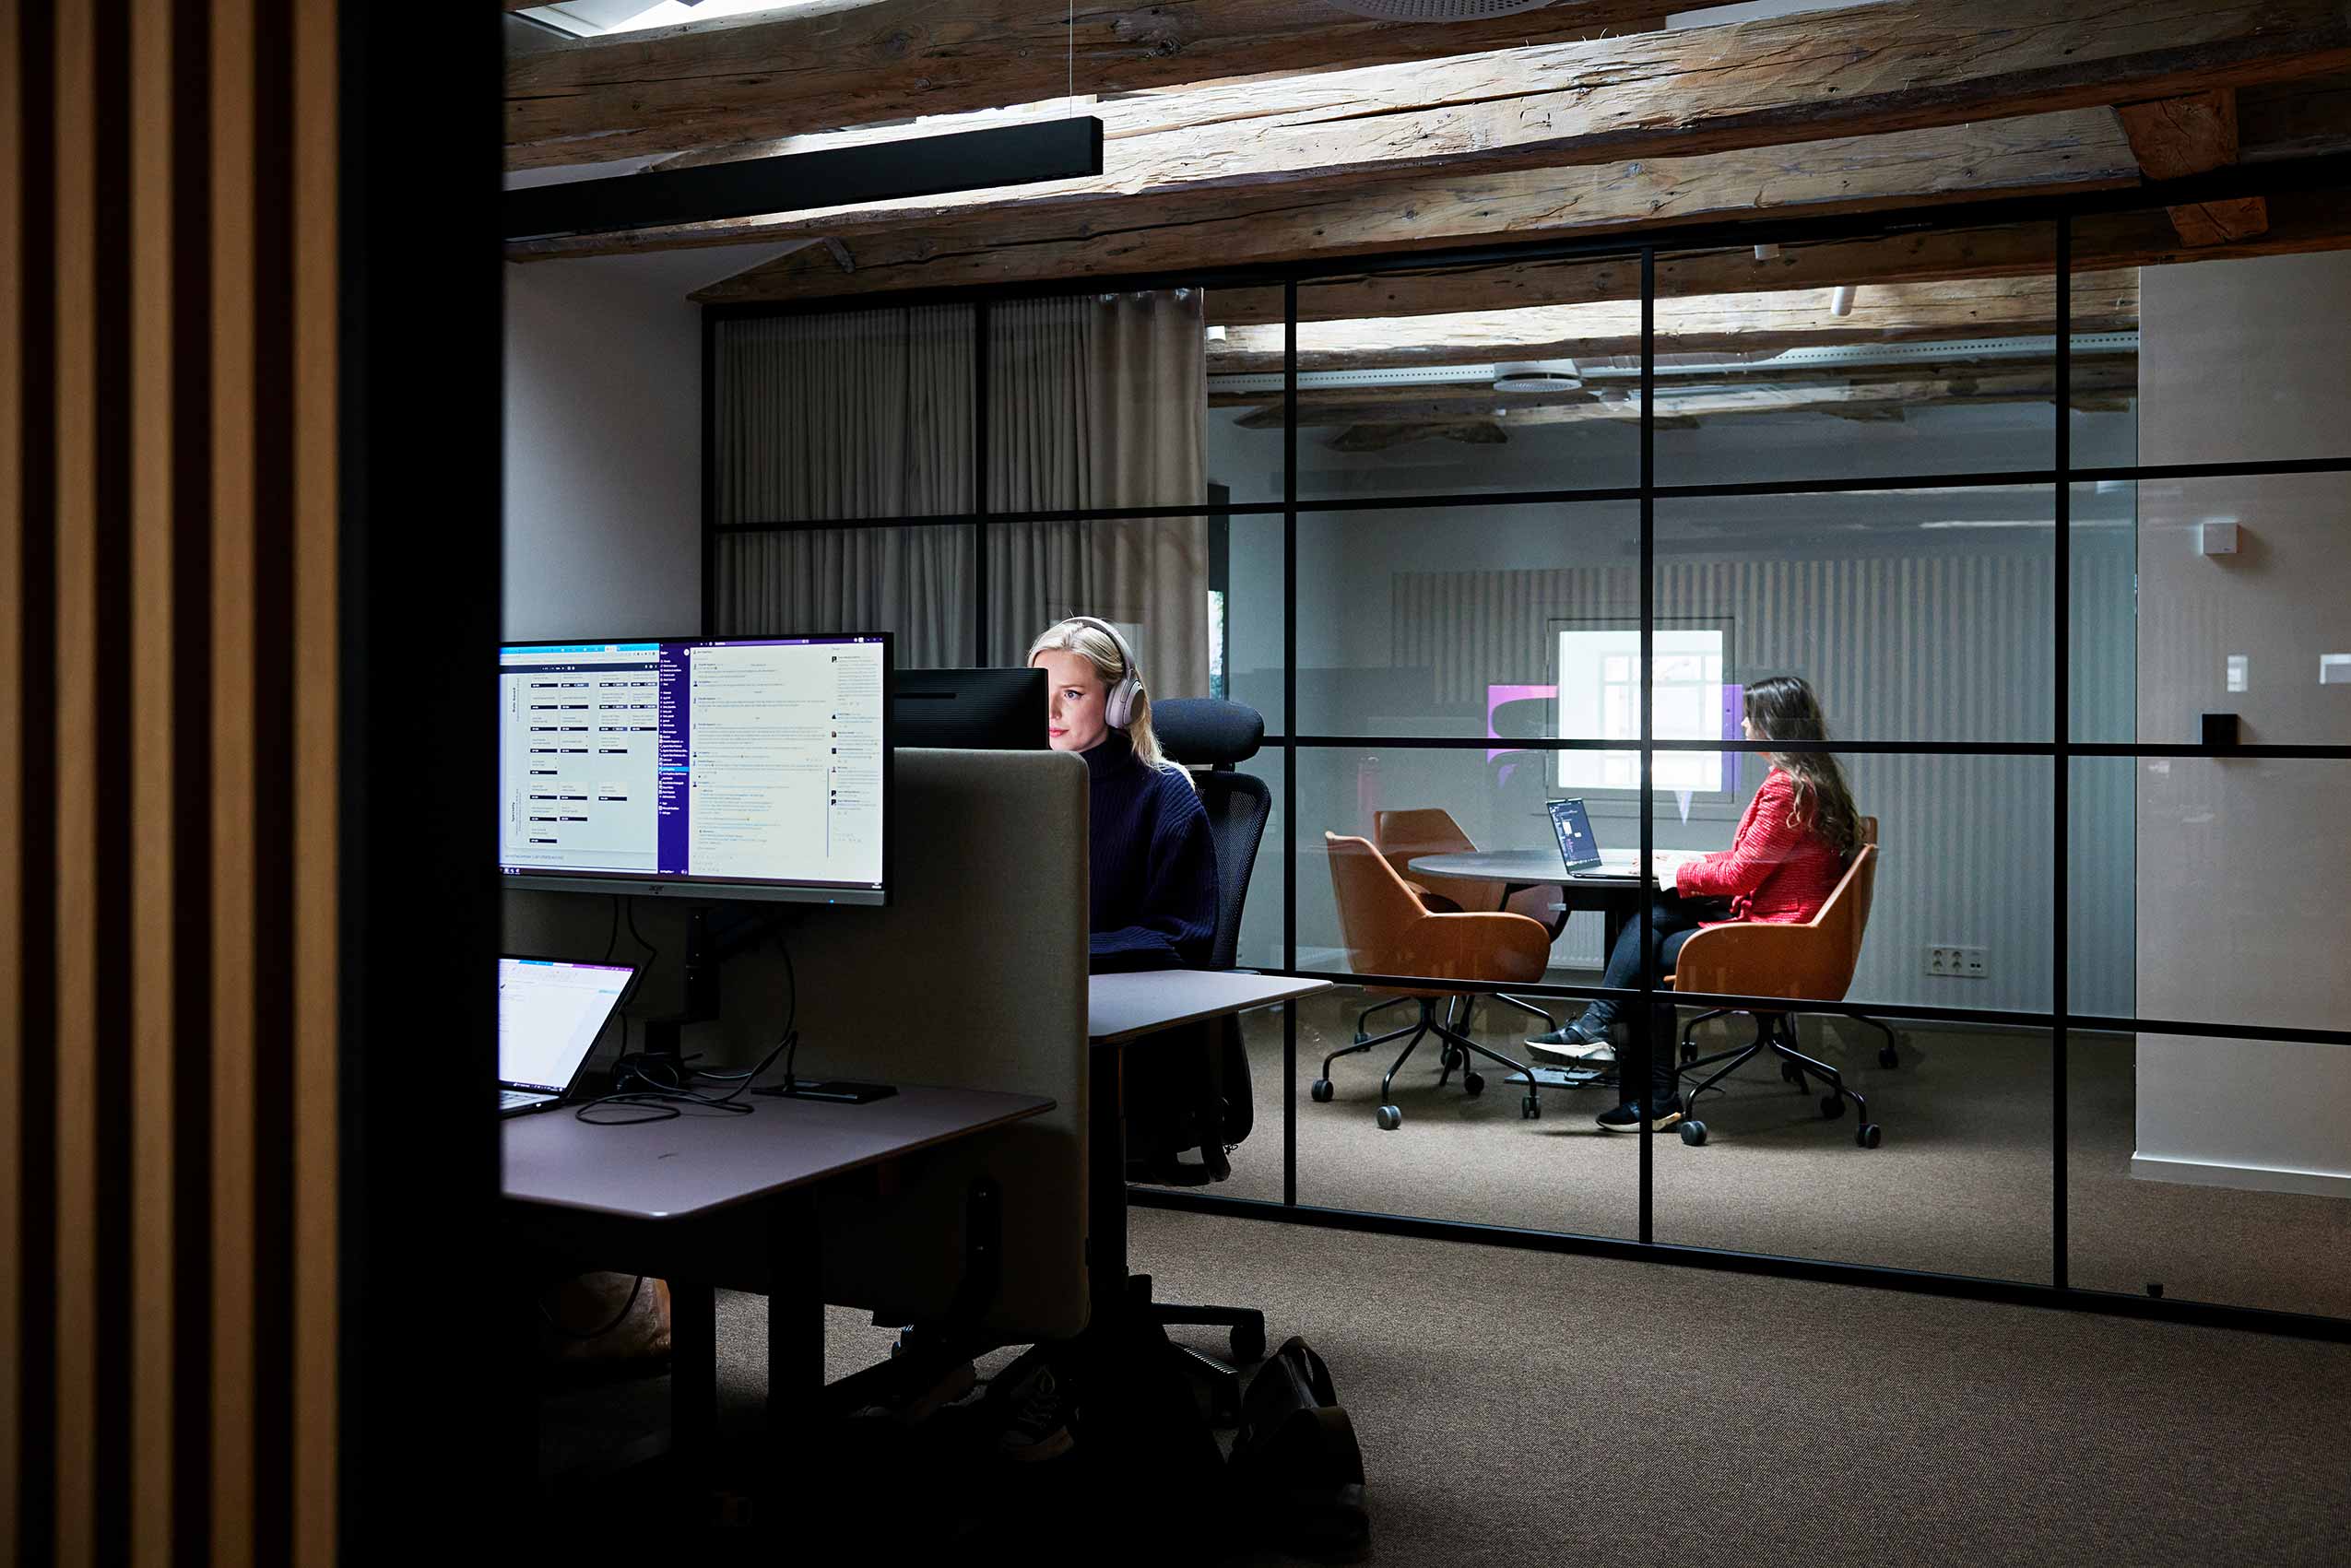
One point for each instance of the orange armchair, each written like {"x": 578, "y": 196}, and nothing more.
{"x": 1387, "y": 931}
{"x": 1432, "y": 831}
{"x": 1814, "y": 961}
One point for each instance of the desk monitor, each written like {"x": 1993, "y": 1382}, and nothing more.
{"x": 753, "y": 768}
{"x": 970, "y": 710}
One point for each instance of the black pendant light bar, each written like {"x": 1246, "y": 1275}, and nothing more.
{"x": 794, "y": 182}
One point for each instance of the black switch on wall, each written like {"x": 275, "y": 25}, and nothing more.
{"x": 2220, "y": 729}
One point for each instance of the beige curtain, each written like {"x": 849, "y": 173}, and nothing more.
{"x": 1094, "y": 401}
{"x": 1101, "y": 400}
{"x": 824, "y": 418}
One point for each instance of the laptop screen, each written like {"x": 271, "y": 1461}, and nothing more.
{"x": 1576, "y": 846}
{"x": 550, "y": 1013}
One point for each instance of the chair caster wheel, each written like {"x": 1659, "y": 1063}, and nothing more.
{"x": 1389, "y": 1118}
{"x": 1530, "y": 1109}
{"x": 1451, "y": 1059}
{"x": 1693, "y": 1133}
{"x": 1887, "y": 1057}
{"x": 1321, "y": 1090}
{"x": 1248, "y": 1342}
{"x": 1832, "y": 1106}
{"x": 1473, "y": 1084}
{"x": 1689, "y": 1052}
{"x": 1787, "y": 1074}
{"x": 1867, "y": 1136}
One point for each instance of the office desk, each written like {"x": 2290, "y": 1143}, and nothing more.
{"x": 1123, "y": 1011}
{"x": 673, "y": 1198}
{"x": 1617, "y": 898}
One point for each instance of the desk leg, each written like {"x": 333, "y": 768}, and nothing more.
{"x": 693, "y": 1376}
{"x": 1106, "y": 1203}
{"x": 795, "y": 1323}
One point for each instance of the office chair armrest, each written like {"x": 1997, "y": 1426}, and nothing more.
{"x": 1436, "y": 903}
{"x": 1757, "y": 960}
{"x": 1475, "y": 947}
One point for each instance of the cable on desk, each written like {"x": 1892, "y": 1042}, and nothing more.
{"x": 666, "y": 1099}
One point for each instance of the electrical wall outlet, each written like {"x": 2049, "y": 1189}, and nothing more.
{"x": 1950, "y": 959}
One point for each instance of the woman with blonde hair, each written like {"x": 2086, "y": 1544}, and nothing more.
{"x": 1152, "y": 865}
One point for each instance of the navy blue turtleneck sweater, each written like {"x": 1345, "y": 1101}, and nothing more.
{"x": 1152, "y": 864}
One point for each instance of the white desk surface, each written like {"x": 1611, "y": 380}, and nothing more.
{"x": 1120, "y": 1006}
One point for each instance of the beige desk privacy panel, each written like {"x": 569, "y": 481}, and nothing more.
{"x": 973, "y": 977}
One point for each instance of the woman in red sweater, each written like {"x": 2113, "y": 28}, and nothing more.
{"x": 1783, "y": 863}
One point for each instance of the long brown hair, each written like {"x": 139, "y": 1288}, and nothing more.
{"x": 1782, "y": 707}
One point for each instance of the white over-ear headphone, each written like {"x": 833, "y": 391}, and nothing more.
{"x": 1118, "y": 707}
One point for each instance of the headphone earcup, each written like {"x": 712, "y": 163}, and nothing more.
{"x": 1118, "y": 708}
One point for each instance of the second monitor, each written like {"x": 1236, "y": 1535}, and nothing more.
{"x": 969, "y": 710}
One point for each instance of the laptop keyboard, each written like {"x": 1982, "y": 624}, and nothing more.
{"x": 516, "y": 1097}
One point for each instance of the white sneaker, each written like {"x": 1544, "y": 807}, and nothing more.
{"x": 1569, "y": 1046}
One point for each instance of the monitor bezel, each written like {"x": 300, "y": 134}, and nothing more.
{"x": 636, "y": 884}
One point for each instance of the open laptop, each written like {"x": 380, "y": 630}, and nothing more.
{"x": 1579, "y": 852}
{"x": 549, "y": 1012}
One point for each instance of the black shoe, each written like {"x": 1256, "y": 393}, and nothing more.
{"x": 1626, "y": 1117}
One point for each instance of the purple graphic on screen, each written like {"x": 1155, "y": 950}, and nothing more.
{"x": 1497, "y": 695}
{"x": 673, "y": 759}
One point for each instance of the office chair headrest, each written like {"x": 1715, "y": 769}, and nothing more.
{"x": 1202, "y": 731}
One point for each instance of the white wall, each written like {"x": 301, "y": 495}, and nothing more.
{"x": 603, "y": 502}
{"x": 2243, "y": 864}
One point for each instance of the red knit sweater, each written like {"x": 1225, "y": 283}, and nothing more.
{"x": 1772, "y": 873}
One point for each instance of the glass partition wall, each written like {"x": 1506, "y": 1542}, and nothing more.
{"x": 2043, "y": 514}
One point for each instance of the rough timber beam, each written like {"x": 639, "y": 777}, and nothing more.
{"x": 2177, "y": 136}
{"x": 2011, "y": 307}
{"x": 1867, "y": 71}
{"x": 2079, "y": 149}
{"x": 2102, "y": 243}
{"x": 845, "y": 63}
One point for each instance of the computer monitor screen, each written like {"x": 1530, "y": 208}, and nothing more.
{"x": 970, "y": 710}
{"x": 720, "y": 767}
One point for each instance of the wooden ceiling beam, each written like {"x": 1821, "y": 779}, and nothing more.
{"x": 1712, "y": 323}
{"x": 2098, "y": 378}
{"x": 1867, "y": 71}
{"x": 840, "y": 63}
{"x": 2081, "y": 150}
{"x": 2106, "y": 242}
{"x": 2174, "y": 137}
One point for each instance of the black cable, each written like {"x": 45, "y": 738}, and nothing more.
{"x": 594, "y": 1334}
{"x": 791, "y": 1014}
{"x": 667, "y": 1101}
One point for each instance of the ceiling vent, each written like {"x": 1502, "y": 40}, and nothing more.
{"x": 1536, "y": 375}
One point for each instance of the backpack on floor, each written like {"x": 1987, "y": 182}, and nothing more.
{"x": 1296, "y": 1463}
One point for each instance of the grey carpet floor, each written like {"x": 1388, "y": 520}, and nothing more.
{"x": 1518, "y": 1407}
{"x": 1961, "y": 1184}
{"x": 1523, "y": 1407}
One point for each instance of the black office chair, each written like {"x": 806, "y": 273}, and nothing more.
{"x": 1203, "y": 1101}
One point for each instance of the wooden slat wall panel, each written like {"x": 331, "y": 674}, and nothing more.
{"x": 231, "y": 784}
{"x": 73, "y": 664}
{"x": 152, "y": 780}
{"x": 12, "y": 479}
{"x": 170, "y": 808}
{"x": 317, "y": 989}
